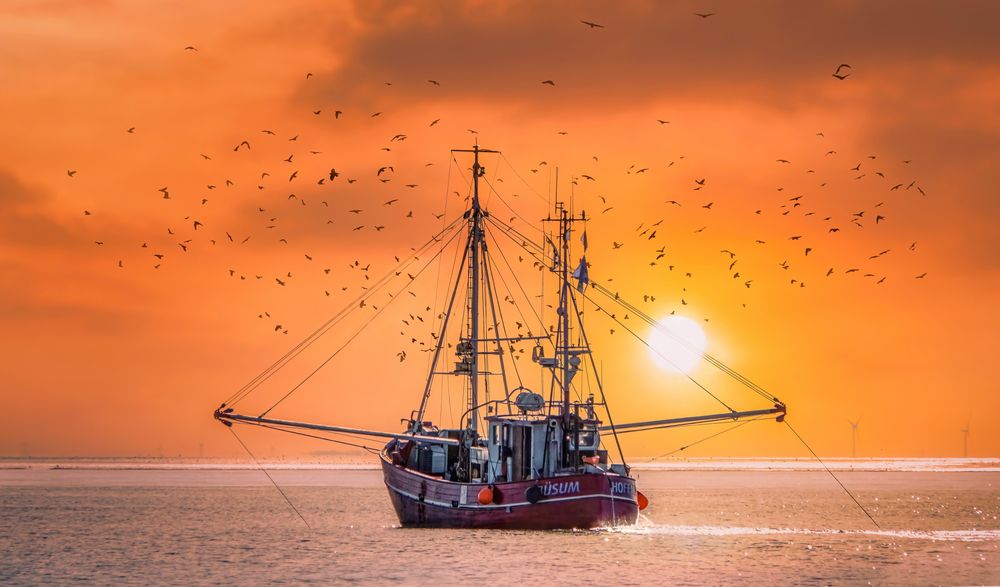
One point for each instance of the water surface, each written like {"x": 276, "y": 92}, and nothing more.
{"x": 178, "y": 525}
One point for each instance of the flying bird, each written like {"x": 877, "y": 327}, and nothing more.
{"x": 592, "y": 25}
{"x": 704, "y": 14}
{"x": 549, "y": 82}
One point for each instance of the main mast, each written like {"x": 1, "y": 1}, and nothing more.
{"x": 475, "y": 244}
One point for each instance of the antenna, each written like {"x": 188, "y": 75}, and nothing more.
{"x": 854, "y": 437}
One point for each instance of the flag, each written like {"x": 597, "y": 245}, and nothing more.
{"x": 583, "y": 239}
{"x": 581, "y": 275}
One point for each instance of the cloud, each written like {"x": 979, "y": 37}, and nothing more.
{"x": 23, "y": 218}
{"x": 648, "y": 52}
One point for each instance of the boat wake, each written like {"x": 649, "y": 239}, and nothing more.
{"x": 935, "y": 535}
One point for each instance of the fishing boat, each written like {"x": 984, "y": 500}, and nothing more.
{"x": 517, "y": 457}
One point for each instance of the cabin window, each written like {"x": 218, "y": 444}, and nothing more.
{"x": 521, "y": 453}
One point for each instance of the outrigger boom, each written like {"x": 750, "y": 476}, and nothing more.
{"x": 228, "y": 417}
{"x": 674, "y": 422}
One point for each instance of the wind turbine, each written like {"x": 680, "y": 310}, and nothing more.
{"x": 965, "y": 441}
{"x": 854, "y": 437}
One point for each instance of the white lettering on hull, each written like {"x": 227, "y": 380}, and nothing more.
{"x": 622, "y": 488}
{"x": 560, "y": 488}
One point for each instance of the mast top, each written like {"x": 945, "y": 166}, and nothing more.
{"x": 477, "y": 171}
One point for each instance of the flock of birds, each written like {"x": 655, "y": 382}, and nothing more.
{"x": 273, "y": 197}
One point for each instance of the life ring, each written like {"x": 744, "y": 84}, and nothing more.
{"x": 533, "y": 494}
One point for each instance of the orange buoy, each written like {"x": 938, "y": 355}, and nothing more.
{"x": 485, "y": 495}
{"x": 642, "y": 499}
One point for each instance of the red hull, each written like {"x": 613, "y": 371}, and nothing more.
{"x": 587, "y": 500}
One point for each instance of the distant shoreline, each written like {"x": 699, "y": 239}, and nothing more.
{"x": 950, "y": 465}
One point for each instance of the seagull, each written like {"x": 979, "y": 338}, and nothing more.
{"x": 704, "y": 14}
{"x": 592, "y": 25}
{"x": 549, "y": 82}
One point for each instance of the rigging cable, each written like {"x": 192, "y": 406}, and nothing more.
{"x": 269, "y": 478}
{"x": 437, "y": 277}
{"x": 628, "y": 306}
{"x": 316, "y": 436}
{"x": 709, "y": 437}
{"x": 709, "y": 358}
{"x": 360, "y": 330}
{"x": 493, "y": 190}
{"x": 643, "y": 341}
{"x": 662, "y": 356}
{"x": 266, "y": 374}
{"x": 820, "y": 461}
{"x": 528, "y": 185}
{"x": 646, "y": 318}
{"x": 600, "y": 387}
{"x": 510, "y": 268}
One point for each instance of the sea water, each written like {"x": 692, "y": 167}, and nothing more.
{"x": 706, "y": 524}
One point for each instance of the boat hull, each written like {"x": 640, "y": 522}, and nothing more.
{"x": 587, "y": 500}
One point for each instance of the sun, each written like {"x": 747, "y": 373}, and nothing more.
{"x": 677, "y": 344}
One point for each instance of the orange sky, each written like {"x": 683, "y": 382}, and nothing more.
{"x": 131, "y": 360}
